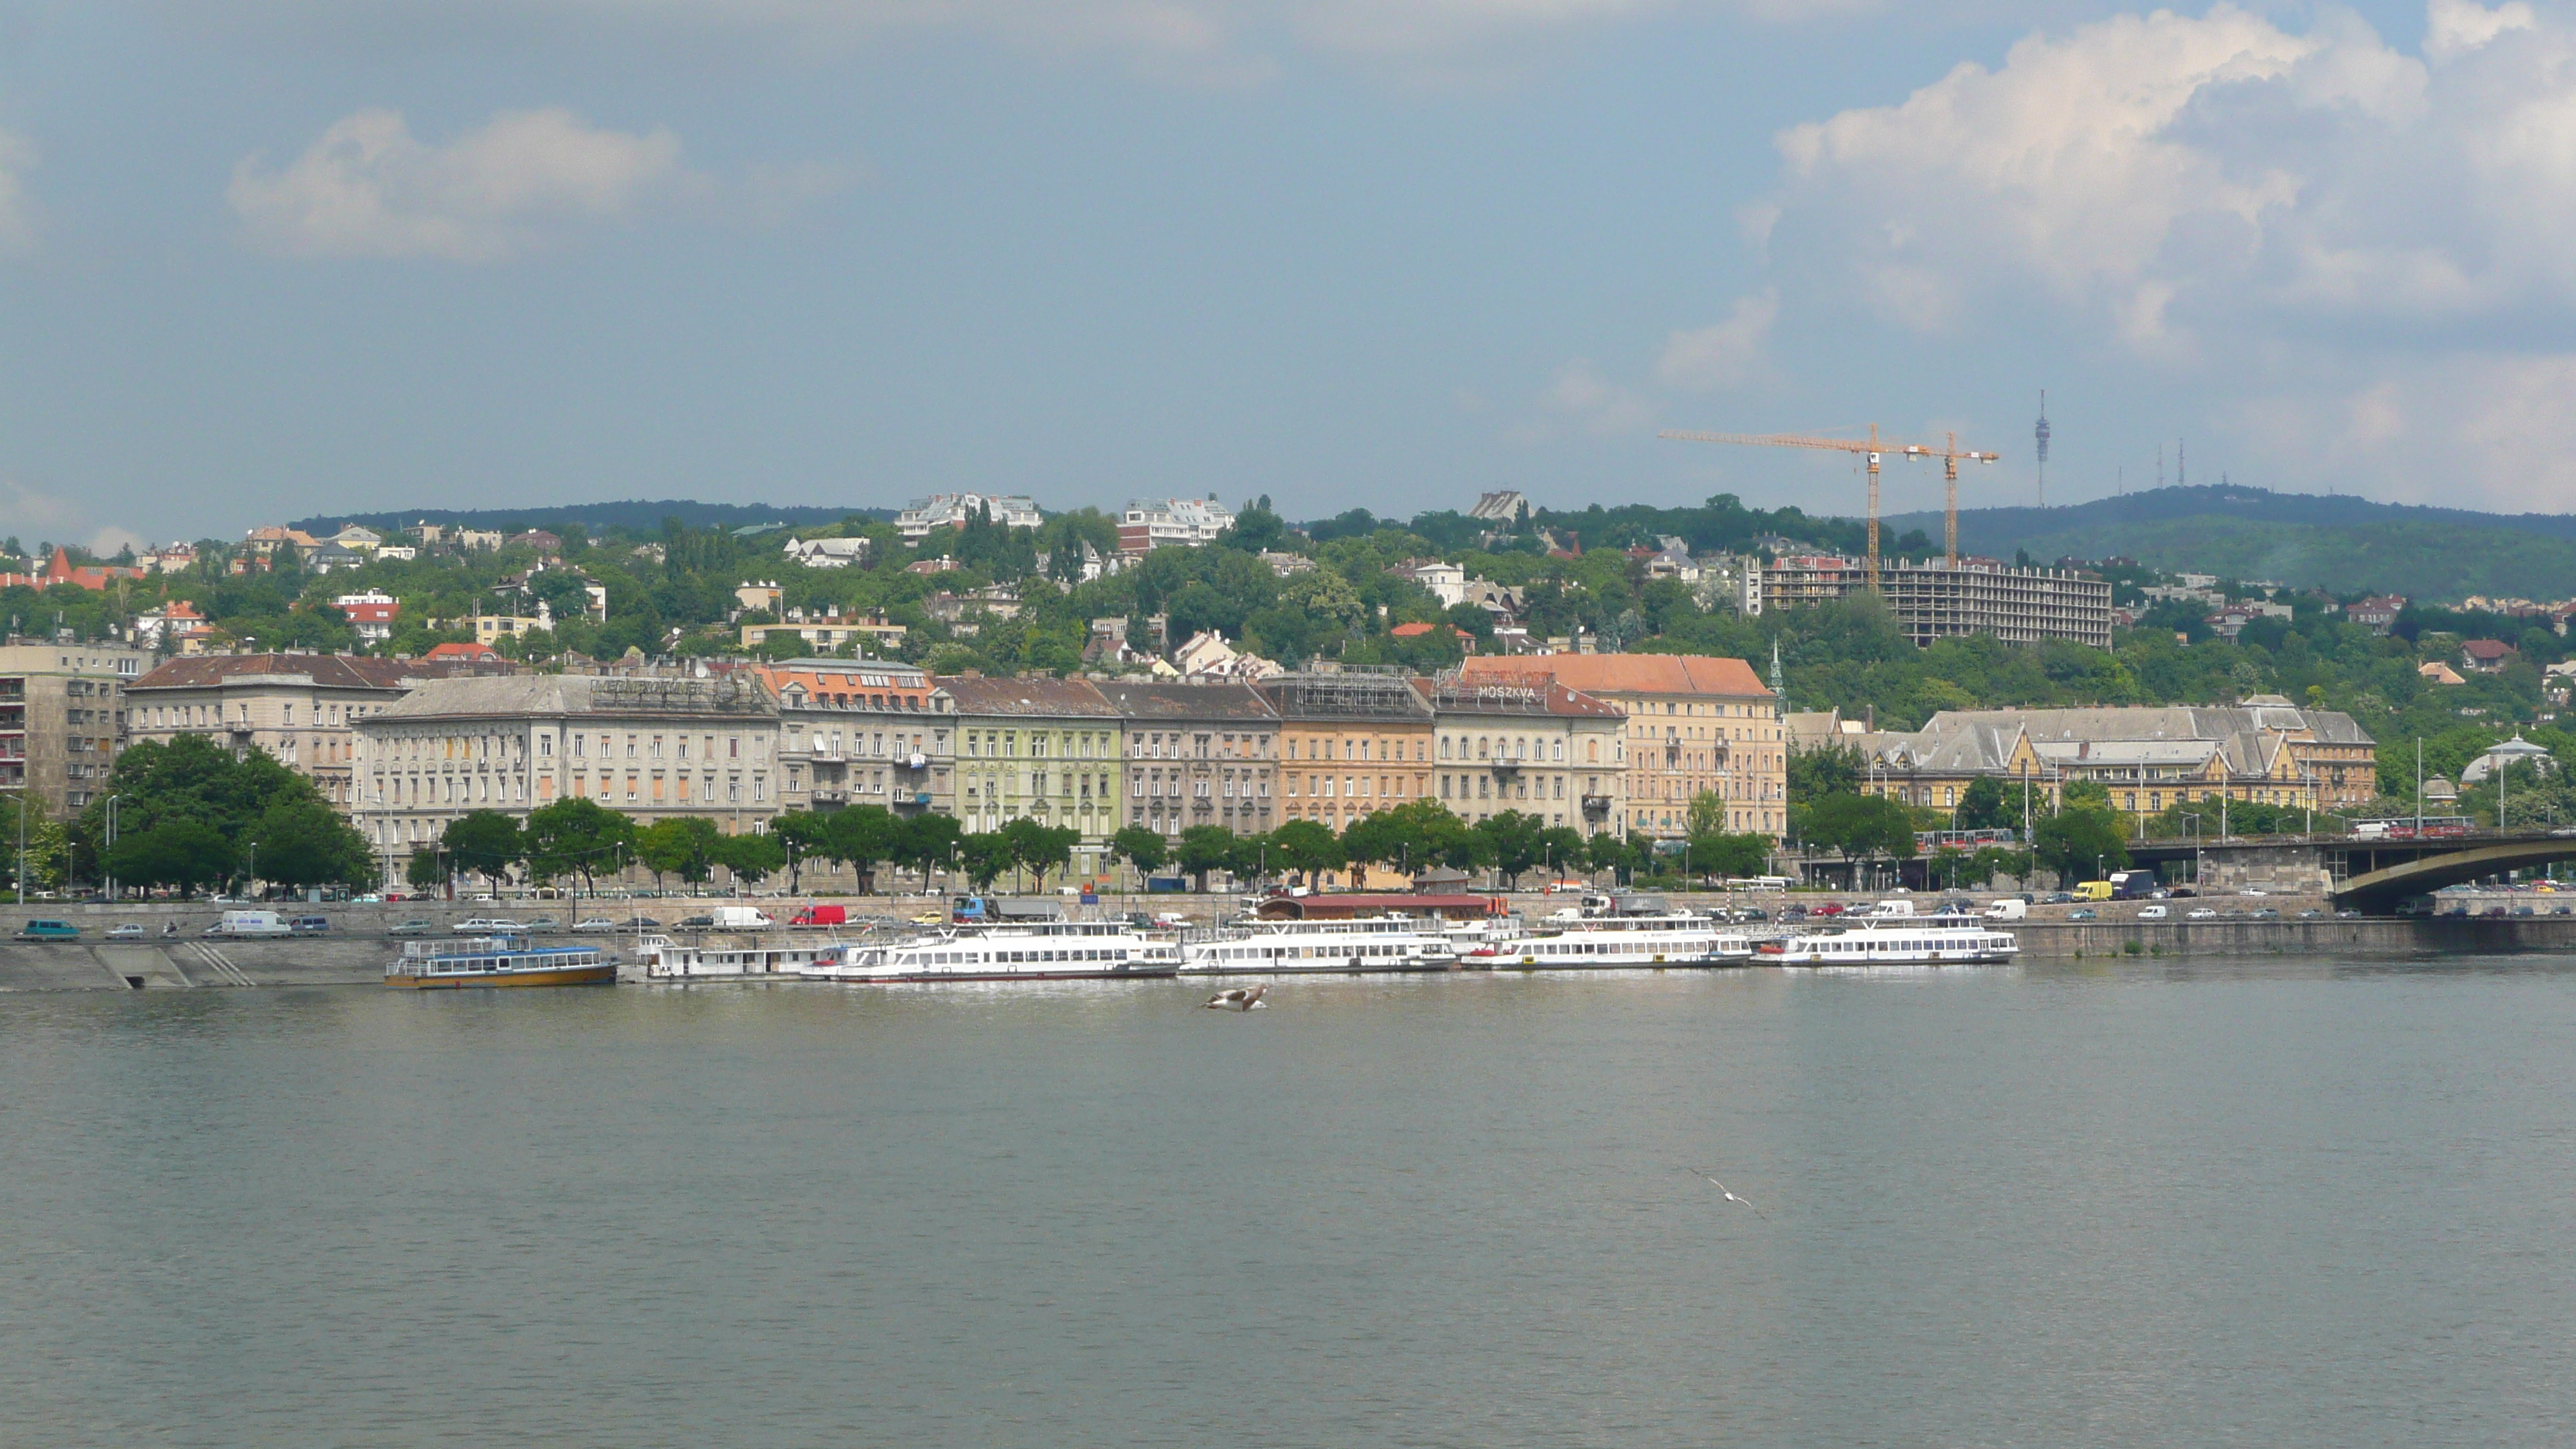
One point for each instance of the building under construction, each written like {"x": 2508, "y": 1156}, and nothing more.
{"x": 1935, "y": 599}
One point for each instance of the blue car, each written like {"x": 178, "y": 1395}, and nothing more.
{"x": 50, "y": 931}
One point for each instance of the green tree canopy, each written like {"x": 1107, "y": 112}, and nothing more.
{"x": 485, "y": 843}
{"x": 1205, "y": 848}
{"x": 179, "y": 854}
{"x": 1040, "y": 848}
{"x": 300, "y": 841}
{"x": 983, "y": 856}
{"x": 1857, "y": 825}
{"x": 1141, "y": 847}
{"x": 577, "y": 836}
{"x": 684, "y": 846}
{"x": 2076, "y": 843}
{"x": 861, "y": 837}
{"x": 751, "y": 857}
{"x": 1304, "y": 847}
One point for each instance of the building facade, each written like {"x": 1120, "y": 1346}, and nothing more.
{"x": 1351, "y": 743}
{"x": 1693, "y": 725}
{"x": 62, "y": 719}
{"x": 1535, "y": 747}
{"x": 651, "y": 748}
{"x": 861, "y": 732}
{"x": 1044, "y": 749}
{"x": 2149, "y": 758}
{"x": 951, "y": 510}
{"x": 303, "y": 709}
{"x": 1152, "y": 523}
{"x": 1934, "y": 599}
{"x": 1199, "y": 753}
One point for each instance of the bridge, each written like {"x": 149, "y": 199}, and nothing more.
{"x": 2369, "y": 874}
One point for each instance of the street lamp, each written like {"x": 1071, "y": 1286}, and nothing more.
{"x": 105, "y": 879}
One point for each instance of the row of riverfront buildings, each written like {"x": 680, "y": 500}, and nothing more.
{"x": 1592, "y": 742}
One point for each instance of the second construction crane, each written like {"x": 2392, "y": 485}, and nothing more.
{"x": 1949, "y": 453}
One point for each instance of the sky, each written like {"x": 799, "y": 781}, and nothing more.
{"x": 277, "y": 258}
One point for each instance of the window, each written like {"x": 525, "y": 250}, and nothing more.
{"x": 733, "y": 747}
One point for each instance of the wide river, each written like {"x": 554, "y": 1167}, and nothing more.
{"x": 2261, "y": 1203}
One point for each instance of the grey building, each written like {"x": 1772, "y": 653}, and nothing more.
{"x": 1200, "y": 752}
{"x": 62, "y": 718}
{"x": 302, "y": 709}
{"x": 862, "y": 732}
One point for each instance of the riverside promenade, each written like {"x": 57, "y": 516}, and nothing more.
{"x": 354, "y": 951}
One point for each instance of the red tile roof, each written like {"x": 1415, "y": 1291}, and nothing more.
{"x": 1607, "y": 674}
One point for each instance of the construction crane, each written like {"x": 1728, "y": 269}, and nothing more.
{"x": 1871, "y": 447}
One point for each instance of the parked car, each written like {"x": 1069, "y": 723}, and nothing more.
{"x": 1793, "y": 913}
{"x": 595, "y": 923}
{"x": 2083, "y": 913}
{"x": 2200, "y": 913}
{"x": 416, "y": 926}
{"x": 2312, "y": 914}
{"x": 697, "y": 923}
{"x": 2057, "y": 898}
{"x": 2153, "y": 913}
{"x": 2347, "y": 915}
{"x": 644, "y": 923}
{"x": 2265, "y": 914}
{"x": 483, "y": 925}
{"x": 541, "y": 923}
{"x": 1829, "y": 908}
{"x": 49, "y": 930}
{"x": 125, "y": 931}
{"x": 309, "y": 925}
{"x": 1752, "y": 913}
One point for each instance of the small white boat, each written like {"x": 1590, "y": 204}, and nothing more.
{"x": 1031, "y": 951}
{"x": 1893, "y": 941}
{"x": 1568, "y": 942}
{"x": 1374, "y": 943}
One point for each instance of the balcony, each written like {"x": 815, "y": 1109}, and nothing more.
{"x": 1596, "y": 806}
{"x": 1504, "y": 768}
{"x": 834, "y": 796}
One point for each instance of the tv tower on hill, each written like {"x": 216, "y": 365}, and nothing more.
{"x": 2040, "y": 434}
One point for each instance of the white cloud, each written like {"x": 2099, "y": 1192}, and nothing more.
{"x": 108, "y": 542}
{"x": 527, "y": 180}
{"x": 17, "y": 208}
{"x": 25, "y": 508}
{"x": 2231, "y": 204}
{"x": 1582, "y": 396}
{"x": 1726, "y": 354}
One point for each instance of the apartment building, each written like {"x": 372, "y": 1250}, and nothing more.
{"x": 1046, "y": 749}
{"x": 1536, "y": 747}
{"x": 861, "y": 732}
{"x": 303, "y": 709}
{"x": 1152, "y": 523}
{"x": 2263, "y": 749}
{"x": 1202, "y": 752}
{"x": 951, "y": 510}
{"x": 1351, "y": 743}
{"x": 1934, "y": 599}
{"x": 653, "y": 748}
{"x": 62, "y": 718}
{"x": 1693, "y": 725}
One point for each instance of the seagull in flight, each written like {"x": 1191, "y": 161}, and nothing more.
{"x": 1729, "y": 1194}
{"x": 1241, "y": 998}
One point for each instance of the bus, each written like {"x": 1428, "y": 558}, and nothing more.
{"x": 2407, "y": 827}
{"x": 1759, "y": 883}
{"x": 1927, "y": 841}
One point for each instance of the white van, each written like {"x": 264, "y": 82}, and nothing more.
{"x": 2153, "y": 913}
{"x": 1892, "y": 910}
{"x": 251, "y": 923}
{"x": 741, "y": 918}
{"x": 2010, "y": 908}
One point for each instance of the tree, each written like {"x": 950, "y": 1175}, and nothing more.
{"x": 1613, "y": 853}
{"x": 1858, "y": 825}
{"x": 179, "y": 854}
{"x": 925, "y": 841}
{"x": 1512, "y": 842}
{"x": 1205, "y": 848}
{"x": 1733, "y": 853}
{"x": 300, "y": 841}
{"x": 1143, "y": 848}
{"x": 1822, "y": 771}
{"x": 860, "y": 837}
{"x": 428, "y": 870}
{"x": 576, "y": 836}
{"x": 750, "y": 857}
{"x": 1414, "y": 835}
{"x": 2075, "y": 842}
{"x": 1306, "y": 848}
{"x": 984, "y": 856}
{"x": 485, "y": 843}
{"x": 1987, "y": 805}
{"x": 684, "y": 846}
{"x": 801, "y": 833}
{"x": 1040, "y": 848}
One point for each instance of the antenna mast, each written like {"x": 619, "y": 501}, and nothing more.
{"x": 2040, "y": 434}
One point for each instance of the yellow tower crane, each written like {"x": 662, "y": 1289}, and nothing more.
{"x": 1871, "y": 447}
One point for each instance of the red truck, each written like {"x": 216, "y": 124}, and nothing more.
{"x": 821, "y": 916}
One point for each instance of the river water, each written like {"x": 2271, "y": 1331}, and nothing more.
{"x": 2262, "y": 1203}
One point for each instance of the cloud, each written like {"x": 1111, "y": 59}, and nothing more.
{"x": 108, "y": 542}
{"x": 1582, "y": 396}
{"x": 1725, "y": 355}
{"x": 17, "y": 208}
{"x": 25, "y": 508}
{"x": 524, "y": 182}
{"x": 2231, "y": 205}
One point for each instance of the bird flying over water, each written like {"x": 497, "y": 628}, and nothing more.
{"x": 1240, "y": 998}
{"x": 1729, "y": 1195}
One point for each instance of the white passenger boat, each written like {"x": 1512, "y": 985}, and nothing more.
{"x": 1375, "y": 943}
{"x": 1571, "y": 942}
{"x": 659, "y": 958}
{"x": 496, "y": 961}
{"x": 1027, "y": 951}
{"x": 1893, "y": 941}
